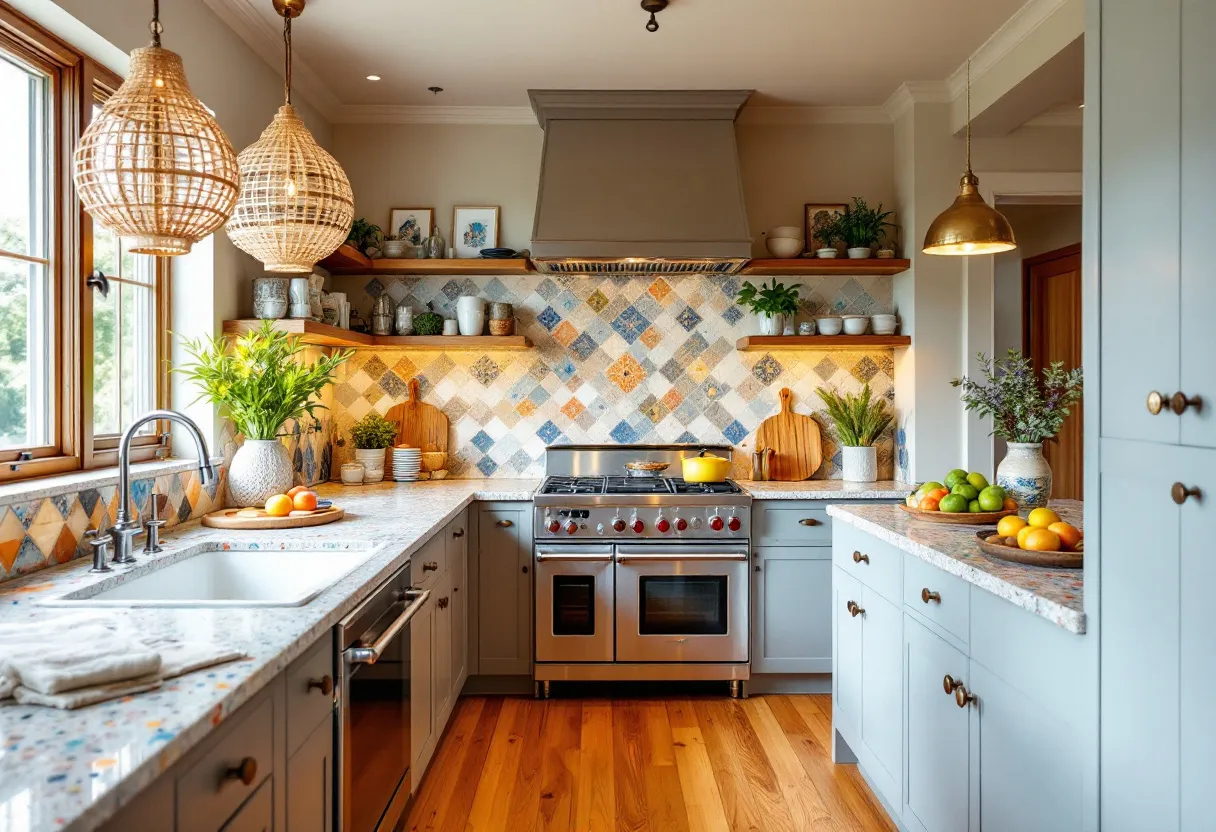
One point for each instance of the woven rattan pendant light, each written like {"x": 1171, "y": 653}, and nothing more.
{"x": 970, "y": 225}
{"x": 296, "y": 205}
{"x": 154, "y": 166}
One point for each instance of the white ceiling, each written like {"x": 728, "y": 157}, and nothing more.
{"x": 488, "y": 53}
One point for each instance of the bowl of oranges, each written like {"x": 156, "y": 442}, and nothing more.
{"x": 1041, "y": 539}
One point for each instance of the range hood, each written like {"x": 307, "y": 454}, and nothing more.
{"x": 639, "y": 182}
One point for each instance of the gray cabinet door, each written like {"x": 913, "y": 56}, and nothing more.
{"x": 310, "y": 782}
{"x": 504, "y": 581}
{"x": 846, "y": 635}
{"x": 458, "y": 568}
{"x": 1140, "y": 160}
{"x": 441, "y": 657}
{"x": 938, "y": 796}
{"x": 422, "y": 703}
{"x": 257, "y": 813}
{"x": 792, "y": 609}
{"x": 882, "y": 686}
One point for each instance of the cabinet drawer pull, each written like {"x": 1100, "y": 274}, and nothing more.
{"x": 1179, "y": 403}
{"x": 524, "y": 569}
{"x": 948, "y": 684}
{"x": 927, "y": 596}
{"x": 432, "y": 566}
{"x": 854, "y": 610}
{"x": 961, "y": 697}
{"x": 246, "y": 771}
{"x": 443, "y": 603}
{"x": 458, "y": 533}
{"x": 810, "y": 521}
{"x": 858, "y": 557}
{"x": 325, "y": 684}
{"x": 504, "y": 524}
{"x": 1180, "y": 493}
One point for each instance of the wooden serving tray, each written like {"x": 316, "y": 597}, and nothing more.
{"x": 1066, "y": 560}
{"x": 982, "y": 518}
{"x": 228, "y": 519}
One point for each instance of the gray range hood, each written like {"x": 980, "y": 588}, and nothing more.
{"x": 639, "y": 182}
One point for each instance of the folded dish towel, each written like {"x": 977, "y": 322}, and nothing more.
{"x": 86, "y": 696}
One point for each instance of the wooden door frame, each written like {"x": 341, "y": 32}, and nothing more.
{"x": 1028, "y": 265}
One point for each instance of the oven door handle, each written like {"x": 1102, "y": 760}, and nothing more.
{"x": 675, "y": 557}
{"x": 574, "y": 558}
{"x": 370, "y": 655}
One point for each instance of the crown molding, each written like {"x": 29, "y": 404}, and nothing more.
{"x": 267, "y": 42}
{"x": 429, "y": 114}
{"x": 1003, "y": 41}
{"x": 813, "y": 115}
{"x": 915, "y": 92}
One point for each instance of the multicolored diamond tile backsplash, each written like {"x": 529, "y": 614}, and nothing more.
{"x": 616, "y": 360}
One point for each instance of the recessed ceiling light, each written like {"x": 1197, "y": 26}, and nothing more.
{"x": 373, "y": 77}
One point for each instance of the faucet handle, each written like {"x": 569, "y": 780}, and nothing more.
{"x": 100, "y": 541}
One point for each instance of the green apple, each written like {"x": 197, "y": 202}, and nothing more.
{"x": 931, "y": 485}
{"x": 955, "y": 477}
{"x": 992, "y": 498}
{"x": 974, "y": 507}
{"x": 953, "y": 504}
{"x": 967, "y": 490}
{"x": 978, "y": 480}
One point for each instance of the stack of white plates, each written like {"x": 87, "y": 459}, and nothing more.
{"x": 407, "y": 462}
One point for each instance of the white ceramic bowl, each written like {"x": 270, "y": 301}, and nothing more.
{"x": 883, "y": 324}
{"x": 827, "y": 253}
{"x": 830, "y": 325}
{"x": 352, "y": 473}
{"x": 784, "y": 246}
{"x": 856, "y": 324}
{"x": 791, "y": 231}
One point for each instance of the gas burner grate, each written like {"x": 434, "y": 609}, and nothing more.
{"x": 725, "y": 487}
{"x": 638, "y": 485}
{"x": 573, "y": 485}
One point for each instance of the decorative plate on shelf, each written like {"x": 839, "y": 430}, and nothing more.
{"x": 981, "y": 518}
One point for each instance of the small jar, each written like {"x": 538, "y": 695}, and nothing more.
{"x": 405, "y": 319}
{"x": 806, "y": 328}
{"x": 436, "y": 245}
{"x": 382, "y": 315}
{"x": 451, "y": 327}
{"x": 352, "y": 473}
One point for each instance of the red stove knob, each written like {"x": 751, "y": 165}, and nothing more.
{"x": 571, "y": 527}
{"x": 681, "y": 524}
{"x": 716, "y": 523}
{"x": 662, "y": 525}
{"x": 637, "y": 526}
{"x": 733, "y": 523}
{"x": 553, "y": 526}
{"x": 618, "y": 525}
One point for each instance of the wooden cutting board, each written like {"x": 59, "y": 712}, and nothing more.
{"x": 231, "y": 518}
{"x": 419, "y": 425}
{"x": 794, "y": 438}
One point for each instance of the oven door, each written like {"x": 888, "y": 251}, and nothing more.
{"x": 574, "y": 594}
{"x": 681, "y": 603}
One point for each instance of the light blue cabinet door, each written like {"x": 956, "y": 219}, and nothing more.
{"x": 882, "y": 686}
{"x": 1140, "y": 166}
{"x": 938, "y": 796}
{"x": 792, "y": 609}
{"x": 846, "y": 680}
{"x": 1139, "y": 637}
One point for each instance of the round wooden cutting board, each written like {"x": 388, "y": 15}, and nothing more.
{"x": 795, "y": 441}
{"x": 229, "y": 518}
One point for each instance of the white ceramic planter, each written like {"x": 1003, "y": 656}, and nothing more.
{"x": 372, "y": 460}
{"x": 470, "y": 314}
{"x": 260, "y": 469}
{"x": 826, "y": 253}
{"x": 1025, "y": 474}
{"x": 770, "y": 324}
{"x": 859, "y": 464}
{"x": 859, "y": 253}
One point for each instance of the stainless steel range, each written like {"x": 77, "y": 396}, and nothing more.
{"x": 639, "y": 577}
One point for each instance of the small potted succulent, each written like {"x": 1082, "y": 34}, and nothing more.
{"x": 861, "y": 227}
{"x": 371, "y": 435}
{"x": 860, "y": 420}
{"x": 770, "y": 303}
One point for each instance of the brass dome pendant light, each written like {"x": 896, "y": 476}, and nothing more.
{"x": 296, "y": 204}
{"x": 154, "y": 166}
{"x": 970, "y": 225}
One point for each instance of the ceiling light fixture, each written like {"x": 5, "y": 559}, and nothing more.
{"x": 296, "y": 204}
{"x": 154, "y": 166}
{"x": 373, "y": 77}
{"x": 654, "y": 7}
{"x": 970, "y": 225}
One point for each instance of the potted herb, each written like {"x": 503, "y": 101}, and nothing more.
{"x": 371, "y": 435}
{"x": 365, "y": 236}
{"x": 1026, "y": 408}
{"x": 860, "y": 420}
{"x": 826, "y": 232}
{"x": 861, "y": 227}
{"x": 259, "y": 381}
{"x": 770, "y": 304}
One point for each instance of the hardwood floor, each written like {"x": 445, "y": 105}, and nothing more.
{"x": 601, "y": 765}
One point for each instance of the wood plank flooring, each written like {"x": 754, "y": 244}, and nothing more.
{"x": 642, "y": 765}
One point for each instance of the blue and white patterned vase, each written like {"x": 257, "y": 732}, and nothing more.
{"x": 1025, "y": 474}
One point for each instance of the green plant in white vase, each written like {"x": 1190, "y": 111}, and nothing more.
{"x": 860, "y": 419}
{"x": 371, "y": 435}
{"x": 770, "y": 303}
{"x": 259, "y": 381}
{"x": 861, "y": 227}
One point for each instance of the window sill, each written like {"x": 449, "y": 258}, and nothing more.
{"x": 37, "y": 489}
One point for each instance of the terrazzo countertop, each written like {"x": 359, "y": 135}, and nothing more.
{"x": 1055, "y": 594}
{"x": 74, "y": 769}
{"x": 827, "y": 490}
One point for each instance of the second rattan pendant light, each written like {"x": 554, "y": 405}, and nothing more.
{"x": 296, "y": 204}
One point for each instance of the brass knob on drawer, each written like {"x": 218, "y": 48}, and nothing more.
{"x": 853, "y": 609}
{"x": 1155, "y": 402}
{"x": 432, "y": 566}
{"x": 1180, "y": 493}
{"x": 858, "y": 557}
{"x": 961, "y": 697}
{"x": 948, "y": 684}
{"x": 246, "y": 771}
{"x": 1179, "y": 403}
{"x": 504, "y": 524}
{"x": 927, "y": 596}
{"x": 325, "y": 684}
{"x": 810, "y": 521}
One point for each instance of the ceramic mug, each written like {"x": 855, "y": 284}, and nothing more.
{"x": 352, "y": 473}
{"x": 450, "y": 327}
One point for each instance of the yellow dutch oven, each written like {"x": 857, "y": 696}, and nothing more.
{"x": 705, "y": 468}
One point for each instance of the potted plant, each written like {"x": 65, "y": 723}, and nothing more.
{"x": 861, "y": 226}
{"x": 259, "y": 381}
{"x": 1026, "y": 408}
{"x": 770, "y": 304}
{"x": 371, "y": 435}
{"x": 826, "y": 232}
{"x": 365, "y": 236}
{"x": 860, "y": 420}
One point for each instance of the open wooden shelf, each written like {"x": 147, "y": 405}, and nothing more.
{"x": 827, "y": 266}
{"x": 347, "y": 260}
{"x": 769, "y": 343}
{"x": 324, "y": 335}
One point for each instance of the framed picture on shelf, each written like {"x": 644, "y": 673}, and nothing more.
{"x": 818, "y": 213}
{"x": 474, "y": 228}
{"x": 414, "y": 224}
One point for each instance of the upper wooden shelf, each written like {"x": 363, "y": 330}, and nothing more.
{"x": 347, "y": 260}
{"x": 826, "y": 266}
{"x": 769, "y": 343}
{"x": 324, "y": 335}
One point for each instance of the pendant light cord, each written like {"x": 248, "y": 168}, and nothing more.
{"x": 287, "y": 48}
{"x": 968, "y": 115}
{"x": 155, "y": 26}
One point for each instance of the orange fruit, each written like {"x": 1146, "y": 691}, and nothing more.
{"x": 1010, "y": 504}
{"x": 1041, "y": 540}
{"x": 279, "y": 505}
{"x": 1010, "y": 526}
{"x": 938, "y": 493}
{"x": 1069, "y": 534}
{"x": 1042, "y": 517}
{"x": 930, "y": 504}
{"x": 1023, "y": 533}
{"x": 296, "y": 490}
{"x": 304, "y": 500}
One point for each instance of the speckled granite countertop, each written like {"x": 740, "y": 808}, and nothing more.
{"x": 1055, "y": 594}
{"x": 73, "y": 769}
{"x": 827, "y": 490}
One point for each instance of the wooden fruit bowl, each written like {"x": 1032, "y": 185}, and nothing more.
{"x": 231, "y": 518}
{"x": 1066, "y": 560}
{"x": 982, "y": 518}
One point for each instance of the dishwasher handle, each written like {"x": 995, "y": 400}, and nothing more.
{"x": 370, "y": 655}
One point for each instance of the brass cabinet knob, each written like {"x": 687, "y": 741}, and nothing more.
{"x": 810, "y": 521}
{"x": 858, "y": 557}
{"x": 431, "y": 566}
{"x": 1155, "y": 403}
{"x": 458, "y": 533}
{"x": 325, "y": 684}
{"x": 443, "y": 603}
{"x": 246, "y": 771}
{"x": 504, "y": 524}
{"x": 1179, "y": 403}
{"x": 525, "y": 570}
{"x": 961, "y": 697}
{"x": 853, "y": 609}
{"x": 927, "y": 596}
{"x": 948, "y": 684}
{"x": 1180, "y": 493}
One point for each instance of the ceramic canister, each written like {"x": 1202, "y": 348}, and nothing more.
{"x": 270, "y": 297}
{"x": 470, "y": 314}
{"x": 300, "y": 304}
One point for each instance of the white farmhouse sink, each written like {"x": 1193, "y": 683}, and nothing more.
{"x": 219, "y": 577}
